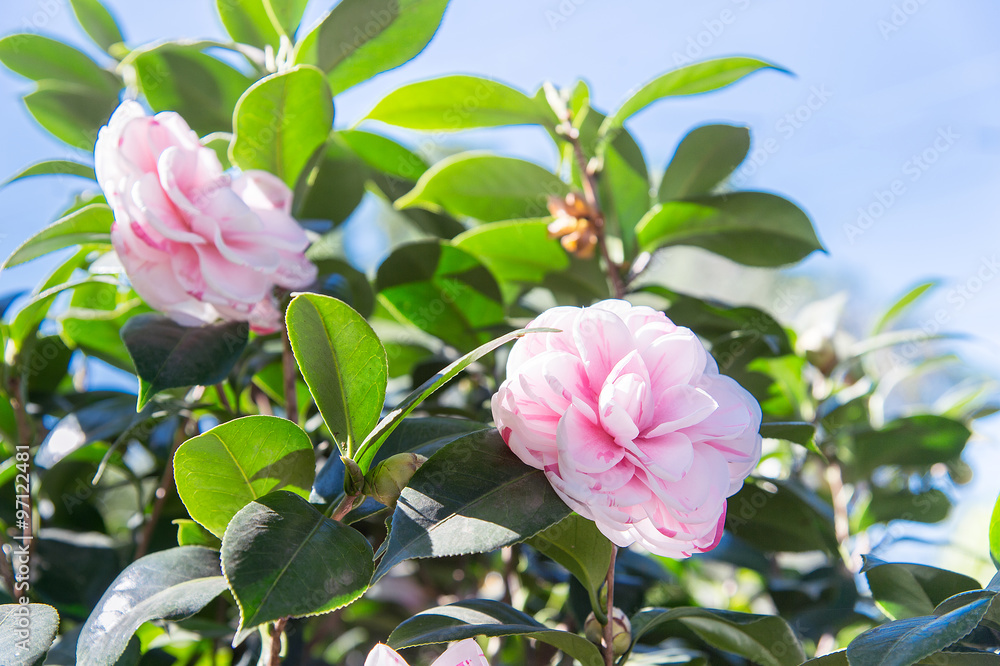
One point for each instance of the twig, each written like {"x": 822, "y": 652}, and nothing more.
{"x": 276, "y": 631}
{"x": 162, "y": 492}
{"x": 291, "y": 374}
{"x": 609, "y": 628}
{"x": 841, "y": 516}
{"x": 220, "y": 389}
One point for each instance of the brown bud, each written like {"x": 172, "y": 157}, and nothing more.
{"x": 387, "y": 480}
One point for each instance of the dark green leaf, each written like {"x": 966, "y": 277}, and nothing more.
{"x": 53, "y": 167}
{"x": 792, "y": 431}
{"x": 763, "y": 639}
{"x": 343, "y": 363}
{"x": 361, "y": 38}
{"x": 168, "y": 355}
{"x": 920, "y": 441}
{"x": 342, "y": 281}
{"x": 487, "y": 187}
{"x": 40, "y": 59}
{"x": 71, "y": 112}
{"x": 838, "y": 658}
{"x": 459, "y": 102}
{"x": 704, "y": 158}
{"x": 89, "y": 225}
{"x": 577, "y": 544}
{"x": 752, "y": 228}
{"x": 26, "y": 632}
{"x": 335, "y": 186}
{"x": 281, "y": 121}
{"x": 284, "y": 558}
{"x": 171, "y": 584}
{"x": 909, "y": 590}
{"x": 98, "y": 23}
{"x": 201, "y": 88}
{"x": 442, "y": 290}
{"x": 384, "y": 154}
{"x": 931, "y": 506}
{"x": 221, "y": 471}
{"x": 103, "y": 419}
{"x": 778, "y": 516}
{"x": 483, "y": 617}
{"x": 247, "y": 22}
{"x": 472, "y": 496}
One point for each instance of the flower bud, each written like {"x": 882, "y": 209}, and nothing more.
{"x": 621, "y": 631}
{"x": 390, "y": 476}
{"x": 354, "y": 478}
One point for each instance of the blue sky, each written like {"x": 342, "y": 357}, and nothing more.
{"x": 892, "y": 109}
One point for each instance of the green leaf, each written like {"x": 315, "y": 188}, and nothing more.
{"x": 98, "y": 23}
{"x": 343, "y": 363}
{"x": 171, "y": 584}
{"x": 42, "y": 59}
{"x": 221, "y": 471}
{"x": 485, "y": 186}
{"x": 519, "y": 251}
{"x": 94, "y": 319}
{"x": 281, "y": 121}
{"x": 752, "y": 228}
{"x": 624, "y": 188}
{"x": 71, "y": 112}
{"x": 203, "y": 89}
{"x": 168, "y": 355}
{"x": 766, "y": 640}
{"x": 577, "y": 544}
{"x": 838, "y": 658}
{"x": 930, "y": 506}
{"x": 34, "y": 311}
{"x": 102, "y": 419}
{"x": 906, "y": 642}
{"x": 905, "y": 590}
{"x": 995, "y": 532}
{"x": 286, "y": 14}
{"x": 472, "y": 496}
{"x": 361, "y": 38}
{"x": 190, "y": 533}
{"x": 780, "y": 516}
{"x": 89, "y": 225}
{"x": 689, "y": 80}
{"x": 53, "y": 168}
{"x": 442, "y": 290}
{"x": 247, "y": 22}
{"x": 26, "y": 632}
{"x": 459, "y": 102}
{"x": 284, "y": 558}
{"x": 902, "y": 305}
{"x": 799, "y": 432}
{"x": 912, "y": 441}
{"x": 385, "y": 427}
{"x": 484, "y": 617}
{"x": 384, "y": 154}
{"x": 335, "y": 186}
{"x": 339, "y": 279}
{"x": 704, "y": 158}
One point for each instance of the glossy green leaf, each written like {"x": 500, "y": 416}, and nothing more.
{"x": 459, "y": 102}
{"x": 902, "y": 305}
{"x": 93, "y": 321}
{"x": 171, "y": 584}
{"x": 41, "y": 58}
{"x": 766, "y": 640}
{"x": 487, "y": 187}
{"x": 202, "y": 89}
{"x": 442, "y": 290}
{"x": 26, "y": 632}
{"x": 484, "y": 617}
{"x": 361, "y": 38}
{"x": 920, "y": 440}
{"x": 247, "y": 22}
{"x": 995, "y": 532}
{"x": 370, "y": 447}
{"x": 34, "y": 311}
{"x": 472, "y": 496}
{"x": 908, "y": 590}
{"x": 98, "y": 23}
{"x": 344, "y": 282}
{"x": 343, "y": 363}
{"x": 752, "y": 228}
{"x": 284, "y": 558}
{"x": 792, "y": 431}
{"x": 384, "y": 154}
{"x": 336, "y": 185}
{"x": 168, "y": 355}
{"x": 779, "y": 516}
{"x": 704, "y": 158}
{"x": 281, "y": 121}
{"x": 906, "y": 642}
{"x": 102, "y": 419}
{"x": 53, "y": 168}
{"x": 838, "y": 658}
{"x": 89, "y": 225}
{"x": 930, "y": 506}
{"x": 221, "y": 471}
{"x": 577, "y": 544}
{"x": 190, "y": 533}
{"x": 688, "y": 80}
{"x": 286, "y": 14}
{"x": 71, "y": 112}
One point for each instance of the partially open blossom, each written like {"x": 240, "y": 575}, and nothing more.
{"x": 195, "y": 242}
{"x": 632, "y": 423}
{"x": 573, "y": 225}
{"x": 463, "y": 653}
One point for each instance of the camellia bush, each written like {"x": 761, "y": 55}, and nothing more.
{"x": 510, "y": 440}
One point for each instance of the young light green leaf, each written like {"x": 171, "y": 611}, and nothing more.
{"x": 86, "y": 226}
{"x": 98, "y": 23}
{"x": 343, "y": 363}
{"x": 902, "y": 305}
{"x": 71, "y": 112}
{"x": 704, "y": 158}
{"x": 459, "y": 102}
{"x": 995, "y": 533}
{"x": 384, "y": 154}
{"x": 171, "y": 584}
{"x": 485, "y": 186}
{"x": 286, "y": 14}
{"x": 26, "y": 632}
{"x": 751, "y": 228}
{"x": 221, "y": 471}
{"x": 514, "y": 251}
{"x": 247, "y": 22}
{"x": 484, "y": 617}
{"x": 361, "y": 38}
{"x": 281, "y": 121}
{"x": 284, "y": 558}
{"x": 472, "y": 496}
{"x": 53, "y": 168}
{"x": 41, "y": 58}
{"x": 688, "y": 80}
{"x": 577, "y": 544}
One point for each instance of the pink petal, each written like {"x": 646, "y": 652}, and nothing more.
{"x": 602, "y": 339}
{"x": 383, "y": 655}
{"x": 589, "y": 448}
{"x": 463, "y": 653}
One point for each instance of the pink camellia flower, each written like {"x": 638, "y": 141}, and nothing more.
{"x": 195, "y": 242}
{"x": 463, "y": 653}
{"x": 632, "y": 423}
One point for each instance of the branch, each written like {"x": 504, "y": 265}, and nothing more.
{"x": 609, "y": 628}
